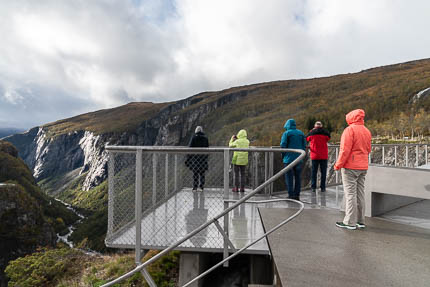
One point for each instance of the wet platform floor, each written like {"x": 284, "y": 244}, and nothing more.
{"x": 312, "y": 251}
{"x": 186, "y": 211}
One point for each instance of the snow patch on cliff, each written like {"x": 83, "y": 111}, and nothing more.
{"x": 42, "y": 148}
{"x": 422, "y": 94}
{"x": 95, "y": 160}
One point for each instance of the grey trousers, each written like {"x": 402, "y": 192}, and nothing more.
{"x": 353, "y": 186}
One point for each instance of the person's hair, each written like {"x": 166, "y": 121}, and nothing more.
{"x": 199, "y": 129}
{"x": 318, "y": 124}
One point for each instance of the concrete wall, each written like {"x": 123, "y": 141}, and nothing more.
{"x": 388, "y": 188}
{"x": 243, "y": 270}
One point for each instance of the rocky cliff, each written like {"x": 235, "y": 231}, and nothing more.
{"x": 82, "y": 153}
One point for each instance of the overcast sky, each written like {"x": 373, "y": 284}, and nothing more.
{"x": 63, "y": 58}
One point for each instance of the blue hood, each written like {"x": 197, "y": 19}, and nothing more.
{"x": 290, "y": 124}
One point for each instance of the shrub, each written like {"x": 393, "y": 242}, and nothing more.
{"x": 44, "y": 268}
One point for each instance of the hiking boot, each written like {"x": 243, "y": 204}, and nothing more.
{"x": 360, "y": 225}
{"x": 346, "y": 226}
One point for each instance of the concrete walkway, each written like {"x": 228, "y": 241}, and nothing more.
{"x": 312, "y": 251}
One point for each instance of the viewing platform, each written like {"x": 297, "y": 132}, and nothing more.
{"x": 152, "y": 186}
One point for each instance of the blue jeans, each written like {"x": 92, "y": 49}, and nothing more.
{"x": 293, "y": 179}
{"x": 322, "y": 163}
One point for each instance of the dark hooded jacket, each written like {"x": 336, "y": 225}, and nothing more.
{"x": 198, "y": 162}
{"x": 292, "y": 138}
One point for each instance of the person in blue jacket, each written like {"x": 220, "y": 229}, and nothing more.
{"x": 295, "y": 139}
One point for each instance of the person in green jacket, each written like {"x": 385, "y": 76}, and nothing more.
{"x": 240, "y": 159}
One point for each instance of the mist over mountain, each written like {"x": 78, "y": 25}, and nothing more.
{"x": 4, "y": 132}
{"x": 69, "y": 161}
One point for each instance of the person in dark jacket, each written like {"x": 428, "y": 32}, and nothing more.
{"x": 318, "y": 138}
{"x": 198, "y": 163}
{"x": 295, "y": 139}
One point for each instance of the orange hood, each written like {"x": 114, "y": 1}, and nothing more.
{"x": 355, "y": 117}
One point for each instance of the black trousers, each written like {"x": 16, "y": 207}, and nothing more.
{"x": 239, "y": 170}
{"x": 322, "y": 164}
{"x": 199, "y": 176}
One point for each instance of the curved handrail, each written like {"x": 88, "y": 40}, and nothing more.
{"x": 215, "y": 219}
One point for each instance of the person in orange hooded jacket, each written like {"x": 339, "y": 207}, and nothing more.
{"x": 355, "y": 146}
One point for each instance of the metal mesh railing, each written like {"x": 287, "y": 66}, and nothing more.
{"x": 400, "y": 155}
{"x": 393, "y": 155}
{"x": 170, "y": 177}
{"x": 163, "y": 175}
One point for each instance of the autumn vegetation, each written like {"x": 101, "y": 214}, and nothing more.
{"x": 387, "y": 94}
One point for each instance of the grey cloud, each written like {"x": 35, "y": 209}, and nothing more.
{"x": 61, "y": 58}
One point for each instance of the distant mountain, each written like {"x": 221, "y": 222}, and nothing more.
{"x": 4, "y": 132}
{"x": 68, "y": 158}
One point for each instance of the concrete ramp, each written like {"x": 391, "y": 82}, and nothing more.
{"x": 312, "y": 251}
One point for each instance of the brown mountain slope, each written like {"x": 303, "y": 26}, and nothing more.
{"x": 262, "y": 109}
{"x": 119, "y": 119}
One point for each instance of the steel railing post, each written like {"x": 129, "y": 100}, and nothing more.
{"x": 266, "y": 170}
{"x": 166, "y": 177}
{"x": 154, "y": 178}
{"x": 271, "y": 171}
{"x": 337, "y": 172}
{"x": 395, "y": 155}
{"x": 370, "y": 157}
{"x": 226, "y": 191}
{"x": 417, "y": 155}
{"x": 111, "y": 191}
{"x": 176, "y": 172}
{"x": 407, "y": 156}
{"x": 138, "y": 206}
{"x": 383, "y": 155}
{"x": 426, "y": 152}
{"x": 256, "y": 170}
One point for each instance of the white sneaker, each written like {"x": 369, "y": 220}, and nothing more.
{"x": 200, "y": 189}
{"x": 360, "y": 225}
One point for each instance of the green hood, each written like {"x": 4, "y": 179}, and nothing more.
{"x": 242, "y": 134}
